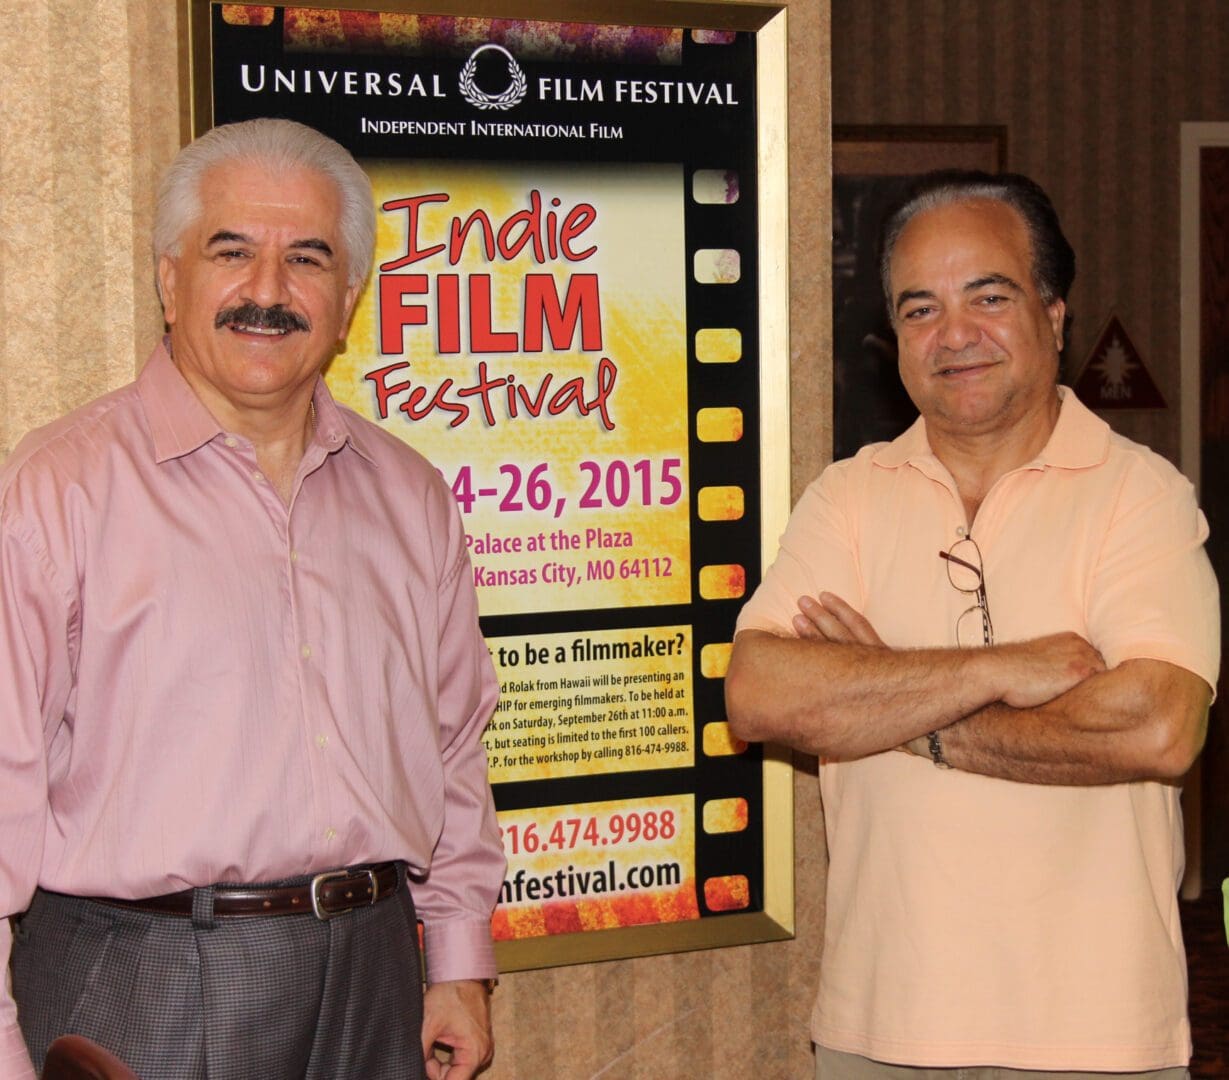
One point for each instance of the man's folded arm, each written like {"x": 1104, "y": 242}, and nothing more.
{"x": 1143, "y": 720}
{"x": 839, "y": 692}
{"x": 1050, "y": 711}
{"x": 845, "y": 701}
{"x": 1153, "y": 611}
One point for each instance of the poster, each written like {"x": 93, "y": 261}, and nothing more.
{"x": 567, "y": 316}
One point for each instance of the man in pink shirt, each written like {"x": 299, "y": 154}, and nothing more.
{"x": 242, "y": 683}
{"x": 1000, "y": 633}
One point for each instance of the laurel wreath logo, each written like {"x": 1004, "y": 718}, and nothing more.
{"x": 512, "y": 95}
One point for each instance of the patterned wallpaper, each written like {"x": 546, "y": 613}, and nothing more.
{"x": 88, "y": 117}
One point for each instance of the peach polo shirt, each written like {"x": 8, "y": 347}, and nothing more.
{"x": 972, "y": 920}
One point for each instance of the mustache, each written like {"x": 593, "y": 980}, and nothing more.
{"x": 966, "y": 357}
{"x": 278, "y": 317}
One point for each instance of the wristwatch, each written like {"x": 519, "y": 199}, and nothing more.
{"x": 936, "y": 751}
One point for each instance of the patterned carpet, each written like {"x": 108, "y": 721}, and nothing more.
{"x": 1207, "y": 957}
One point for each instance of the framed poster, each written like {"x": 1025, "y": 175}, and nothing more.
{"x": 1204, "y": 372}
{"x": 578, "y": 313}
{"x": 872, "y": 167}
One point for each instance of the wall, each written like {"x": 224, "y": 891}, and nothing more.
{"x": 1092, "y": 94}
{"x": 89, "y": 117}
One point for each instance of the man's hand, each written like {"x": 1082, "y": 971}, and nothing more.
{"x": 1032, "y": 672}
{"x": 457, "y": 1015}
{"x": 1035, "y": 672}
{"x": 1040, "y": 670}
{"x": 831, "y": 619}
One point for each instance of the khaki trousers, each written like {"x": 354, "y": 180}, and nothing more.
{"x": 833, "y": 1065}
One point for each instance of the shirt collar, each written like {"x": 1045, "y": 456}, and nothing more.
{"x": 179, "y": 422}
{"x": 337, "y": 427}
{"x": 1080, "y": 440}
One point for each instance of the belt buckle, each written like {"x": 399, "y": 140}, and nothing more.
{"x": 332, "y": 875}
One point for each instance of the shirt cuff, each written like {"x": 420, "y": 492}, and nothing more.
{"x": 459, "y": 949}
{"x": 15, "y": 1061}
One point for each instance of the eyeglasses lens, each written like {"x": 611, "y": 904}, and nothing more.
{"x": 964, "y": 566}
{"x": 973, "y": 628}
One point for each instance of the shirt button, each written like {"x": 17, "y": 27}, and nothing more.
{"x": 231, "y": 441}
{"x": 305, "y": 651}
{"x": 962, "y": 532}
{"x": 259, "y": 477}
{"x": 330, "y": 833}
{"x": 294, "y": 556}
{"x": 322, "y": 741}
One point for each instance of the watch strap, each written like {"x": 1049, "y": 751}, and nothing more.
{"x": 936, "y": 750}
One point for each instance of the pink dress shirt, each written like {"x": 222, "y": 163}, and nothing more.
{"x": 199, "y": 684}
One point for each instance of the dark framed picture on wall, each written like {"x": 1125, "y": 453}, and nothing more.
{"x": 872, "y": 167}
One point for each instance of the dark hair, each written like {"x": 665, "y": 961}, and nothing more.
{"x": 1053, "y": 258}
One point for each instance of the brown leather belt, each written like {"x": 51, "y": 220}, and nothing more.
{"x": 326, "y": 896}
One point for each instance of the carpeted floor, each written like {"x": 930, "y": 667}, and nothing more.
{"x": 1207, "y": 957}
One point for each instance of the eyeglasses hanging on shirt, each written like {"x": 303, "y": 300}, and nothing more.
{"x": 964, "y": 571}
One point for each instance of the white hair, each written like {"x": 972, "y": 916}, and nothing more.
{"x": 279, "y": 145}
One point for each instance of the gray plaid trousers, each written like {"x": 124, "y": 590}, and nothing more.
{"x": 200, "y": 998}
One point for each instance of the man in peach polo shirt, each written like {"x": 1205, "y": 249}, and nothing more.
{"x": 1000, "y": 633}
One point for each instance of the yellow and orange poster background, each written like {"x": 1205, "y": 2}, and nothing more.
{"x": 598, "y": 866}
{"x": 534, "y": 544}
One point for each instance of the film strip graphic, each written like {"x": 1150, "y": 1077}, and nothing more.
{"x": 577, "y": 180}
{"x": 722, "y": 324}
